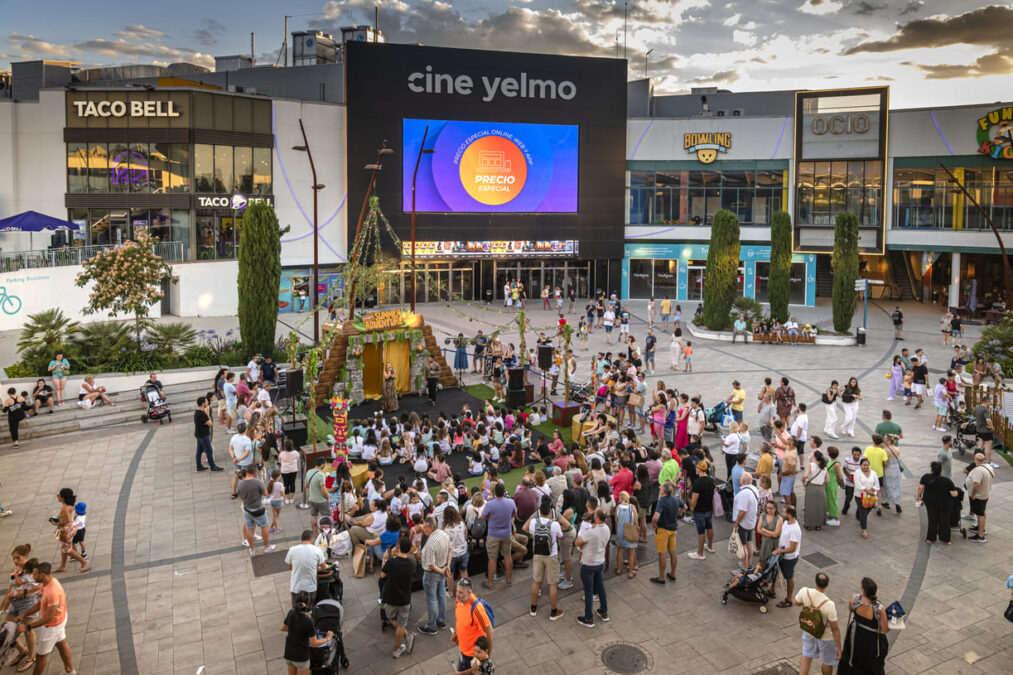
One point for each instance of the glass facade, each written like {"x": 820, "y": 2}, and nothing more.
{"x": 141, "y": 168}
{"x": 826, "y": 189}
{"x": 675, "y": 197}
{"x": 924, "y": 198}
{"x": 105, "y": 227}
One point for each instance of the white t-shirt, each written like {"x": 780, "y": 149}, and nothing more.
{"x": 790, "y": 532}
{"x": 253, "y": 368}
{"x": 264, "y": 396}
{"x": 746, "y": 501}
{"x": 800, "y": 427}
{"x": 732, "y": 444}
{"x": 608, "y": 318}
{"x": 242, "y": 445}
{"x": 554, "y": 528}
{"x": 596, "y": 538}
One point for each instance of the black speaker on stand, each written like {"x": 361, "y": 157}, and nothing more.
{"x": 545, "y": 357}
{"x": 293, "y": 383}
{"x": 516, "y": 394}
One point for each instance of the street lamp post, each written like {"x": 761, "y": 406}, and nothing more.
{"x": 422, "y": 151}
{"x": 648, "y": 53}
{"x": 317, "y": 187}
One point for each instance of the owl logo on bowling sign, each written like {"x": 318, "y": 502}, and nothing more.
{"x": 707, "y": 145}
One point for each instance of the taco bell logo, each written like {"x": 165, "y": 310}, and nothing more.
{"x": 238, "y": 202}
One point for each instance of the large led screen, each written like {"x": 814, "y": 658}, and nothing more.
{"x": 491, "y": 167}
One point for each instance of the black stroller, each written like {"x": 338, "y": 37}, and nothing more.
{"x": 330, "y": 657}
{"x": 158, "y": 407}
{"x": 759, "y": 589}
{"x": 963, "y": 428}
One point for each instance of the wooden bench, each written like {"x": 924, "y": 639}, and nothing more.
{"x": 785, "y": 339}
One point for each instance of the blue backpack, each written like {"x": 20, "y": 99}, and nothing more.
{"x": 488, "y": 611}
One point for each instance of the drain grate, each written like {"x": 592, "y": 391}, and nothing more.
{"x": 819, "y": 560}
{"x": 625, "y": 658}
{"x": 780, "y": 668}
{"x": 269, "y": 563}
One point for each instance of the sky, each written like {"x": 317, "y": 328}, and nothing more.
{"x": 930, "y": 52}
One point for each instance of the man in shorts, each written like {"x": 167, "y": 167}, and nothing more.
{"x": 701, "y": 503}
{"x": 316, "y": 492}
{"x": 744, "y": 511}
{"x": 898, "y": 323}
{"x": 788, "y": 547}
{"x": 252, "y": 493}
{"x": 827, "y": 646}
{"x": 666, "y": 313}
{"x": 608, "y": 320}
{"x": 979, "y": 488}
{"x": 985, "y": 429}
{"x": 666, "y": 524}
{"x": 397, "y": 574}
{"x": 650, "y": 345}
{"x": 499, "y": 515}
{"x": 241, "y": 450}
{"x": 48, "y": 617}
{"x": 231, "y": 400}
{"x": 546, "y": 532}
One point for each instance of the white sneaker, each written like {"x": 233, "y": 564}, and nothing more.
{"x": 564, "y": 584}
{"x": 268, "y": 549}
{"x": 257, "y": 537}
{"x": 693, "y": 555}
{"x": 253, "y": 552}
{"x": 890, "y": 398}
{"x": 709, "y": 549}
{"x": 5, "y": 513}
{"x": 833, "y": 522}
{"x": 993, "y": 465}
{"x": 833, "y": 435}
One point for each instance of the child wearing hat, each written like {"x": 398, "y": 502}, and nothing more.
{"x": 80, "y": 515}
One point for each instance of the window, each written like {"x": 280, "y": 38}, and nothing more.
{"x": 692, "y": 197}
{"x": 925, "y": 198}
{"x": 262, "y": 171}
{"x": 203, "y": 168}
{"x": 826, "y": 189}
{"x": 223, "y": 169}
{"x": 640, "y": 278}
{"x": 78, "y": 167}
{"x": 243, "y": 181}
{"x": 666, "y": 278}
{"x": 179, "y": 168}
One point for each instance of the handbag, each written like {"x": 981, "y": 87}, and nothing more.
{"x": 636, "y": 401}
{"x": 359, "y": 561}
{"x": 631, "y": 533}
{"x": 735, "y": 546}
{"x": 719, "y": 509}
{"x": 869, "y": 500}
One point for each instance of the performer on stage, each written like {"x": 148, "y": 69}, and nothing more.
{"x": 389, "y": 388}
{"x": 461, "y": 354}
{"x": 432, "y": 378}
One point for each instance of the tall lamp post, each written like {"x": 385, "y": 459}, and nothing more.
{"x": 317, "y": 187}
{"x": 422, "y": 151}
{"x": 375, "y": 168}
{"x": 645, "y": 61}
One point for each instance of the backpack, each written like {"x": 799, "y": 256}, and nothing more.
{"x": 478, "y": 529}
{"x": 811, "y": 620}
{"x": 542, "y": 535}
{"x": 488, "y": 611}
{"x": 896, "y": 316}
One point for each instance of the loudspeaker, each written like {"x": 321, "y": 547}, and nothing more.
{"x": 516, "y": 398}
{"x": 293, "y": 382}
{"x": 295, "y": 432}
{"x": 544, "y": 356}
{"x": 515, "y": 378}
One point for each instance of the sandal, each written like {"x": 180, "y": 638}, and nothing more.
{"x": 784, "y": 604}
{"x": 27, "y": 665}
{"x": 631, "y": 574}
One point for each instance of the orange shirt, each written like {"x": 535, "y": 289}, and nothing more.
{"x": 469, "y": 630}
{"x": 53, "y": 596}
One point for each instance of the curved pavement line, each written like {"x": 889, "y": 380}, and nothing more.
{"x": 117, "y": 567}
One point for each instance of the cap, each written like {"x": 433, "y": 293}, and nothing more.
{"x": 80, "y": 508}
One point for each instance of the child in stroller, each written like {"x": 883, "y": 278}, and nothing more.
{"x": 753, "y": 585}
{"x": 329, "y": 657}
{"x": 158, "y": 407}
{"x": 961, "y": 423}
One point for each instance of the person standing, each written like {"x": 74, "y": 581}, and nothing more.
{"x": 460, "y": 352}
{"x": 937, "y": 492}
{"x": 202, "y": 432}
{"x": 865, "y": 643}
{"x": 866, "y": 493}
{"x": 592, "y": 541}
{"x": 241, "y": 450}
{"x": 920, "y": 377}
{"x": 788, "y": 547}
{"x": 891, "y": 473}
{"x": 608, "y": 320}
{"x": 14, "y": 406}
{"x": 304, "y": 560}
{"x": 435, "y": 561}
{"x": 896, "y": 378}
{"x": 301, "y": 636}
{"x": 499, "y": 514}
{"x": 824, "y": 644}
{"x": 252, "y": 492}
{"x": 830, "y": 407}
{"x": 480, "y": 343}
{"x": 59, "y": 369}
{"x": 397, "y": 573}
{"x": 389, "y": 392}
{"x": 888, "y": 426}
{"x": 745, "y": 510}
{"x": 49, "y": 616}
{"x": 666, "y": 526}
{"x": 800, "y": 429}
{"x": 701, "y": 503}
{"x": 666, "y": 313}
{"x": 432, "y": 378}
{"x": 767, "y": 412}
{"x": 985, "y": 429}
{"x": 675, "y": 349}
{"x": 850, "y": 397}
{"x": 546, "y": 533}
{"x": 784, "y": 400}
{"x": 898, "y": 323}
{"x": 650, "y": 346}
{"x": 979, "y": 488}
{"x": 814, "y": 479}
{"x": 852, "y": 463}
{"x": 835, "y": 476}
{"x": 472, "y": 622}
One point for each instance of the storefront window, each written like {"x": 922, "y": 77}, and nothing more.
{"x": 925, "y": 198}
{"x": 666, "y": 278}
{"x": 261, "y": 171}
{"x": 77, "y": 167}
{"x": 826, "y": 189}
{"x": 641, "y": 272}
{"x": 118, "y": 152}
{"x": 224, "y": 170}
{"x": 243, "y": 181}
{"x": 203, "y": 168}
{"x": 692, "y": 197}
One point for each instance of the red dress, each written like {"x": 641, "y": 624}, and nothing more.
{"x": 682, "y": 428}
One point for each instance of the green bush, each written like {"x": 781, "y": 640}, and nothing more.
{"x": 174, "y": 336}
{"x": 21, "y": 369}
{"x": 997, "y": 343}
{"x": 844, "y": 263}
{"x": 748, "y": 308}
{"x": 259, "y": 278}
{"x": 779, "y": 283}
{"x": 102, "y": 344}
{"x": 722, "y": 271}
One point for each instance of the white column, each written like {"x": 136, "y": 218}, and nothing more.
{"x": 954, "y": 279}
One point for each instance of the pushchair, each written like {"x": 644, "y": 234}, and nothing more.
{"x": 8, "y": 634}
{"x": 759, "y": 589}
{"x": 714, "y": 416}
{"x": 963, "y": 429}
{"x": 158, "y": 407}
{"x": 330, "y": 657}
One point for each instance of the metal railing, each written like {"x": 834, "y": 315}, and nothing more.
{"x": 170, "y": 251}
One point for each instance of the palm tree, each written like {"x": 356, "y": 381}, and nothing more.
{"x": 48, "y": 331}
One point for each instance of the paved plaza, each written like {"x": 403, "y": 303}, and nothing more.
{"x": 172, "y": 589}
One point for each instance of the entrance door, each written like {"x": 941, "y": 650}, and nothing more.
{"x": 461, "y": 286}
{"x": 694, "y": 290}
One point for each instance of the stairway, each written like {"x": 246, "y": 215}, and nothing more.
{"x": 824, "y": 276}
{"x": 69, "y": 418}
{"x": 901, "y": 274}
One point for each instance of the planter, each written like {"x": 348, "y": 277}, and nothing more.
{"x": 726, "y": 336}
{"x": 562, "y": 415}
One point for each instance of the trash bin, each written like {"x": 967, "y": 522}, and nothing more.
{"x": 488, "y": 295}
{"x": 860, "y": 337}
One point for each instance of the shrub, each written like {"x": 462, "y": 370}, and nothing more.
{"x": 748, "y": 308}
{"x": 48, "y": 330}
{"x": 845, "y": 269}
{"x": 171, "y": 337}
{"x": 779, "y": 283}
{"x": 722, "y": 270}
{"x": 997, "y": 343}
{"x": 259, "y": 278}
{"x": 102, "y": 345}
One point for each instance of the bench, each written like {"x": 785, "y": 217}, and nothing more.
{"x": 785, "y": 339}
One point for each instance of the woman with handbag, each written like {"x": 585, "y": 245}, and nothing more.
{"x": 867, "y": 491}
{"x": 627, "y": 535}
{"x": 813, "y": 480}
{"x": 850, "y": 397}
{"x": 865, "y": 644}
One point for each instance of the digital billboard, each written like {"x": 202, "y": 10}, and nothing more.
{"x": 491, "y": 167}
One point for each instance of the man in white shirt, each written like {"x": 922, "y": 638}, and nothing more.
{"x": 800, "y": 429}
{"x": 608, "y": 320}
{"x": 241, "y": 449}
{"x": 253, "y": 369}
{"x": 827, "y": 646}
{"x": 545, "y": 535}
{"x": 443, "y": 502}
{"x": 745, "y": 508}
{"x": 304, "y": 560}
{"x": 788, "y": 547}
{"x": 851, "y": 465}
{"x": 592, "y": 540}
{"x": 264, "y": 394}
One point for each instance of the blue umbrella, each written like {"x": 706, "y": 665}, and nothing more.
{"x": 33, "y": 221}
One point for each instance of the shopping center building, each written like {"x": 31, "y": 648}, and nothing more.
{"x": 547, "y": 169}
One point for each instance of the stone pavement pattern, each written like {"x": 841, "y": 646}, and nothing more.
{"x": 173, "y": 590}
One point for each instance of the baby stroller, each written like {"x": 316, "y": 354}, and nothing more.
{"x": 158, "y": 407}
{"x": 329, "y": 583}
{"x": 330, "y": 657}
{"x": 714, "y": 416}
{"x": 963, "y": 428}
{"x": 8, "y": 634}
{"x": 759, "y": 589}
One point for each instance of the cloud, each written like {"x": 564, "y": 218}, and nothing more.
{"x": 864, "y": 8}
{"x": 722, "y": 76}
{"x": 997, "y": 63}
{"x": 911, "y": 7}
{"x": 732, "y": 20}
{"x": 744, "y": 37}
{"x": 139, "y": 31}
{"x": 29, "y": 44}
{"x": 208, "y": 32}
{"x": 991, "y": 25}
{"x": 820, "y": 7}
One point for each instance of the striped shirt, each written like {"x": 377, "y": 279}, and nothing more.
{"x": 436, "y": 551}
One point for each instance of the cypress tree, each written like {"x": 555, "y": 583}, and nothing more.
{"x": 779, "y": 282}
{"x": 844, "y": 263}
{"x": 721, "y": 274}
{"x": 259, "y": 278}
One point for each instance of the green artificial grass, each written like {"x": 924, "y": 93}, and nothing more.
{"x": 485, "y": 392}
{"x": 511, "y": 480}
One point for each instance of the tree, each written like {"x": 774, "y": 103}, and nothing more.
{"x": 722, "y": 271}
{"x": 260, "y": 277}
{"x": 844, "y": 264}
{"x": 127, "y": 280}
{"x": 779, "y": 282}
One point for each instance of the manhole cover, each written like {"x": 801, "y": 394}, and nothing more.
{"x": 781, "y": 668}
{"x": 624, "y": 658}
{"x": 819, "y": 560}
{"x": 269, "y": 563}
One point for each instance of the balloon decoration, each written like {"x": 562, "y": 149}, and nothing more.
{"x": 339, "y": 412}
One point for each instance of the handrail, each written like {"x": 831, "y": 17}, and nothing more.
{"x": 170, "y": 251}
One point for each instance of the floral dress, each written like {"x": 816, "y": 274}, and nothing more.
{"x": 891, "y": 477}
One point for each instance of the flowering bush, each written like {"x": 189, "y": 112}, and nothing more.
{"x": 997, "y": 343}
{"x": 127, "y": 280}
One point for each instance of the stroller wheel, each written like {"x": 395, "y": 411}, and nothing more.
{"x": 169, "y": 417}
{"x": 159, "y": 422}
{"x": 763, "y": 609}
{"x": 144, "y": 419}
{"x": 344, "y": 662}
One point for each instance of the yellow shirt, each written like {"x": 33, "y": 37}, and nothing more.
{"x": 666, "y": 306}
{"x": 765, "y": 464}
{"x": 876, "y": 456}
{"x": 738, "y": 397}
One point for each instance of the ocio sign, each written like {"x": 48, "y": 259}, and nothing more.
{"x": 126, "y": 109}
{"x": 840, "y": 124}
